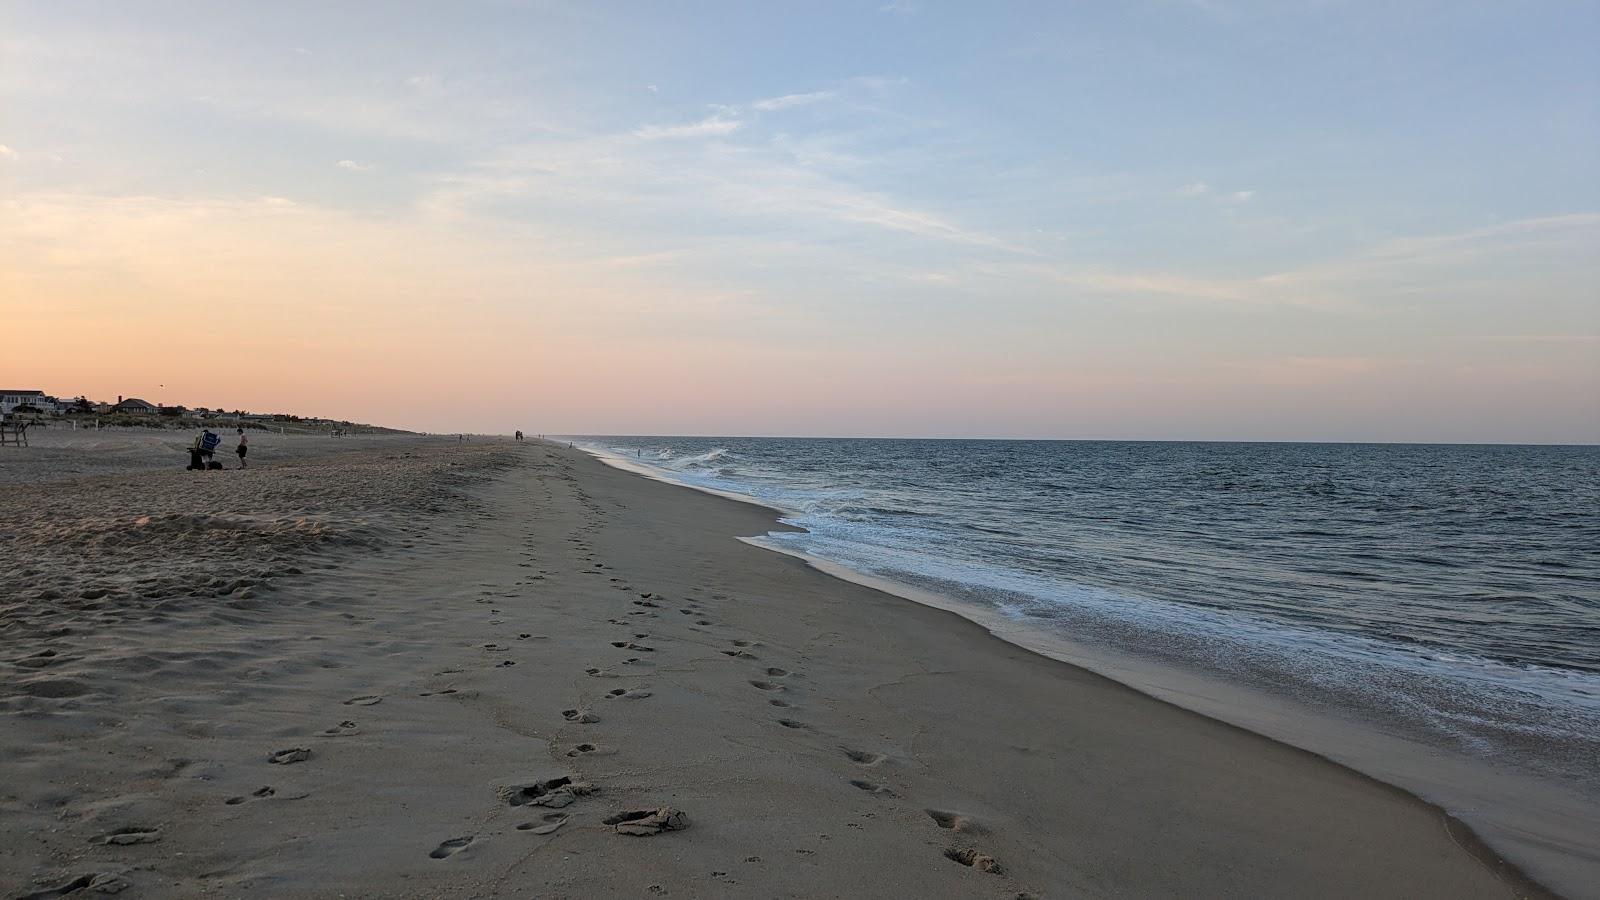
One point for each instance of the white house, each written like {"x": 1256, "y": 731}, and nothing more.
{"x": 10, "y": 400}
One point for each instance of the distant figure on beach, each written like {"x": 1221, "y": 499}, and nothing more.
{"x": 204, "y": 449}
{"x": 243, "y": 448}
{"x": 519, "y": 436}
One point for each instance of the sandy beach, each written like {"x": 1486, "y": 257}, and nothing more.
{"x": 411, "y": 667}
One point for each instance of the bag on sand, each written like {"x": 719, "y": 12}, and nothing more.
{"x": 213, "y": 465}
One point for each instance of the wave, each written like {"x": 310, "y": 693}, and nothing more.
{"x": 705, "y": 461}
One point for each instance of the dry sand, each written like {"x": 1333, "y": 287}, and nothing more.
{"x": 408, "y": 667}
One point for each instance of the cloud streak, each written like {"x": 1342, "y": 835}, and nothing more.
{"x": 790, "y": 101}
{"x": 718, "y": 125}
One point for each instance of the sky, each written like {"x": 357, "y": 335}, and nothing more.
{"x": 1151, "y": 219}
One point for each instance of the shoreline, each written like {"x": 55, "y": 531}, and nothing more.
{"x": 438, "y": 627}
{"x": 1272, "y": 718}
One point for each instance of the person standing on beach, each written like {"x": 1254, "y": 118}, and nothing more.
{"x": 243, "y": 448}
{"x": 208, "y": 444}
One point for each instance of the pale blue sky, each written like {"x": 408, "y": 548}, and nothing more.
{"x": 1209, "y": 219}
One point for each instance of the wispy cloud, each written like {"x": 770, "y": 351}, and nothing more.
{"x": 1530, "y": 338}
{"x": 717, "y": 125}
{"x": 8, "y": 153}
{"x": 1574, "y": 233}
{"x": 789, "y": 101}
{"x": 1202, "y": 189}
{"x": 350, "y": 165}
{"x": 899, "y": 7}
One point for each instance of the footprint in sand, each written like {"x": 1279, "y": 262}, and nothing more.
{"x": 745, "y": 643}
{"x": 622, "y": 693}
{"x": 630, "y": 645}
{"x": 437, "y": 693}
{"x": 776, "y": 672}
{"x": 94, "y": 883}
{"x": 766, "y": 686}
{"x": 872, "y": 788}
{"x": 290, "y": 756}
{"x": 138, "y": 834}
{"x": 582, "y": 716}
{"x": 260, "y": 793}
{"x": 781, "y": 704}
{"x": 505, "y": 662}
{"x": 451, "y": 847}
{"x": 583, "y": 750}
{"x": 347, "y": 727}
{"x": 364, "y": 700}
{"x": 791, "y": 723}
{"x": 974, "y": 860}
{"x": 645, "y": 822}
{"x": 956, "y": 822}
{"x": 554, "y": 793}
{"x": 551, "y": 821}
{"x": 863, "y": 757}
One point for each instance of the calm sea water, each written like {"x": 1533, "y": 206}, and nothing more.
{"x": 1444, "y": 596}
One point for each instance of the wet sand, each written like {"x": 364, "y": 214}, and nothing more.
{"x": 408, "y": 667}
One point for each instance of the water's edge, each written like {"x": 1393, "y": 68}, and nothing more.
{"x": 1512, "y": 822}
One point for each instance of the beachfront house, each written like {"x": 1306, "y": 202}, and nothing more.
{"x": 135, "y": 406}
{"x": 26, "y": 401}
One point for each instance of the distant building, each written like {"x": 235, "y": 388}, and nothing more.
{"x": 135, "y": 406}
{"x": 35, "y": 400}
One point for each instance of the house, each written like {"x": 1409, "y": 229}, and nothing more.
{"x": 33, "y": 400}
{"x": 135, "y": 406}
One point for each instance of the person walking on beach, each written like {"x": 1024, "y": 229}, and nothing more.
{"x": 243, "y": 448}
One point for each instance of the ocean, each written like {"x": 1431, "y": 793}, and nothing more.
{"x": 1427, "y": 614}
